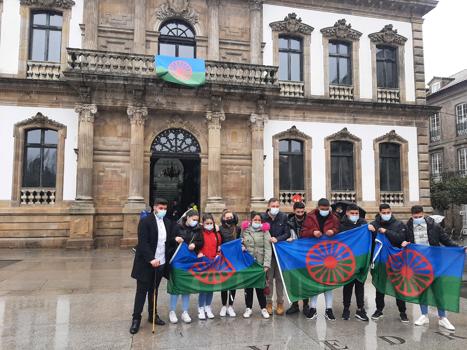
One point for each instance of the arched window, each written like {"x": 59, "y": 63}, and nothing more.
{"x": 340, "y": 63}
{"x": 386, "y": 67}
{"x": 390, "y": 167}
{"x": 177, "y": 39}
{"x": 40, "y": 158}
{"x": 291, "y": 165}
{"x": 46, "y": 36}
{"x": 342, "y": 166}
{"x": 290, "y": 58}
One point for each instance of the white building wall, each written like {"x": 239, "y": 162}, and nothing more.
{"x": 365, "y": 25}
{"x": 10, "y": 34}
{"x": 318, "y": 132}
{"x": 9, "y": 116}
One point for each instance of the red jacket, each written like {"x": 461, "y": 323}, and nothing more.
{"x": 311, "y": 224}
{"x": 211, "y": 242}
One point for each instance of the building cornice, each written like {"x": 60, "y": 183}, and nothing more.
{"x": 62, "y": 4}
{"x": 341, "y": 30}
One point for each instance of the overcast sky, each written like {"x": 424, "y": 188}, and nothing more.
{"x": 445, "y": 39}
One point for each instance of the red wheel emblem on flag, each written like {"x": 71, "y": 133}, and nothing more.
{"x": 409, "y": 272}
{"x": 180, "y": 70}
{"x": 330, "y": 263}
{"x": 216, "y": 271}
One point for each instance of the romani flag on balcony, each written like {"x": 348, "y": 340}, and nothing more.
{"x": 179, "y": 70}
{"x": 311, "y": 266}
{"x": 419, "y": 274}
{"x": 231, "y": 269}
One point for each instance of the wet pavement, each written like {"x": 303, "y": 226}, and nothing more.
{"x": 54, "y": 299}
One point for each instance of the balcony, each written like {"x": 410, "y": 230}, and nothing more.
{"x": 339, "y": 196}
{"x": 292, "y": 89}
{"x": 392, "y": 198}
{"x": 123, "y": 64}
{"x": 37, "y": 196}
{"x": 341, "y": 92}
{"x": 286, "y": 197}
{"x": 388, "y": 95}
{"x": 43, "y": 70}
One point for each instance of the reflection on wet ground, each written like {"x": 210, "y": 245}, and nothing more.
{"x": 54, "y": 299}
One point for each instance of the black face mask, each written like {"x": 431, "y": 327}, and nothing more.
{"x": 230, "y": 222}
{"x": 300, "y": 217}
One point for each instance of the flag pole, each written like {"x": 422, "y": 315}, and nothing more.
{"x": 176, "y": 251}
{"x": 280, "y": 272}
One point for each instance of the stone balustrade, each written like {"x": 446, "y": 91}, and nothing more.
{"x": 286, "y": 197}
{"x": 292, "y": 89}
{"x": 38, "y": 196}
{"x": 240, "y": 73}
{"x": 339, "y": 196}
{"x": 43, "y": 70}
{"x": 392, "y": 198}
{"x": 341, "y": 92}
{"x": 388, "y": 95}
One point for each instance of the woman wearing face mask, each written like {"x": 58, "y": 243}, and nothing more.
{"x": 208, "y": 241}
{"x": 257, "y": 242}
{"x": 188, "y": 229}
{"x": 229, "y": 231}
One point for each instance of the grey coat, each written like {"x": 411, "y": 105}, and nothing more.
{"x": 257, "y": 243}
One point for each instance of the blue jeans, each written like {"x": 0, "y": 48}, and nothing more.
{"x": 424, "y": 309}
{"x": 327, "y": 296}
{"x": 185, "y": 302}
{"x": 205, "y": 299}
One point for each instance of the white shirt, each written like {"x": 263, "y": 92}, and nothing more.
{"x": 420, "y": 233}
{"x": 161, "y": 238}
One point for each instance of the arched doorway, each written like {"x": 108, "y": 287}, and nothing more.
{"x": 175, "y": 169}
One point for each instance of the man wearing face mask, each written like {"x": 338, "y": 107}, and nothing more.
{"x": 349, "y": 221}
{"x": 424, "y": 230}
{"x": 296, "y": 220}
{"x": 279, "y": 230}
{"x": 395, "y": 231}
{"x": 319, "y": 222}
{"x": 155, "y": 234}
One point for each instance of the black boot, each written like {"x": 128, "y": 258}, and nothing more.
{"x": 293, "y": 309}
{"x": 158, "y": 321}
{"x": 135, "y": 326}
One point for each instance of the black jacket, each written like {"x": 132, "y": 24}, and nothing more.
{"x": 229, "y": 233}
{"x": 436, "y": 234}
{"x": 347, "y": 224}
{"x": 396, "y": 230}
{"x": 295, "y": 225}
{"x": 279, "y": 226}
{"x": 191, "y": 235}
{"x": 146, "y": 248}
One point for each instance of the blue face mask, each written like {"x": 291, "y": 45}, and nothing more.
{"x": 324, "y": 213}
{"x": 161, "y": 213}
{"x": 386, "y": 217}
{"x": 418, "y": 221}
{"x": 256, "y": 225}
{"x": 354, "y": 218}
{"x": 209, "y": 227}
{"x": 193, "y": 223}
{"x": 274, "y": 211}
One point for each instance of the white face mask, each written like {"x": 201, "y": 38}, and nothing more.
{"x": 274, "y": 211}
{"x": 193, "y": 223}
{"x": 209, "y": 227}
{"x": 256, "y": 225}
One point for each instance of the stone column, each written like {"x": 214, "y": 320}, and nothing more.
{"x": 135, "y": 204}
{"x": 213, "y": 33}
{"x": 256, "y": 7}
{"x": 91, "y": 18}
{"x": 139, "y": 43}
{"x": 82, "y": 211}
{"x": 257, "y": 121}
{"x": 214, "y": 118}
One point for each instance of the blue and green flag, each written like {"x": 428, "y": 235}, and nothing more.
{"x": 179, "y": 70}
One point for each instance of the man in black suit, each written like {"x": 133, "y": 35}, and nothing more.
{"x": 155, "y": 238}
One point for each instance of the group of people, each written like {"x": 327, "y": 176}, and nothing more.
{"x": 158, "y": 238}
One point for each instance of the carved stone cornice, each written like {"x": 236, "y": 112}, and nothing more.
{"x": 293, "y": 132}
{"x": 87, "y": 112}
{"x": 341, "y": 30}
{"x": 391, "y": 136}
{"x": 291, "y": 24}
{"x": 214, "y": 119}
{"x": 137, "y": 115}
{"x": 181, "y": 9}
{"x": 387, "y": 35}
{"x": 40, "y": 120}
{"x": 257, "y": 121}
{"x": 343, "y": 135}
{"x": 255, "y": 5}
{"x": 63, "y": 4}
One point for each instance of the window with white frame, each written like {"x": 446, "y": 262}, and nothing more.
{"x": 461, "y": 119}
{"x": 436, "y": 164}
{"x": 435, "y": 127}
{"x": 435, "y": 87}
{"x": 462, "y": 161}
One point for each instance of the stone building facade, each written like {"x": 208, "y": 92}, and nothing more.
{"x": 317, "y": 98}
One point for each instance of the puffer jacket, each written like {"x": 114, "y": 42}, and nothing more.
{"x": 396, "y": 231}
{"x": 295, "y": 225}
{"x": 436, "y": 234}
{"x": 257, "y": 243}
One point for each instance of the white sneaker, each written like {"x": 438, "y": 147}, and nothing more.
{"x": 185, "y": 317}
{"x": 173, "y": 317}
{"x": 201, "y": 314}
{"x": 209, "y": 312}
{"x": 247, "y": 313}
{"x": 423, "y": 319}
{"x": 444, "y": 322}
{"x": 264, "y": 313}
{"x": 231, "y": 312}
{"x": 223, "y": 312}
